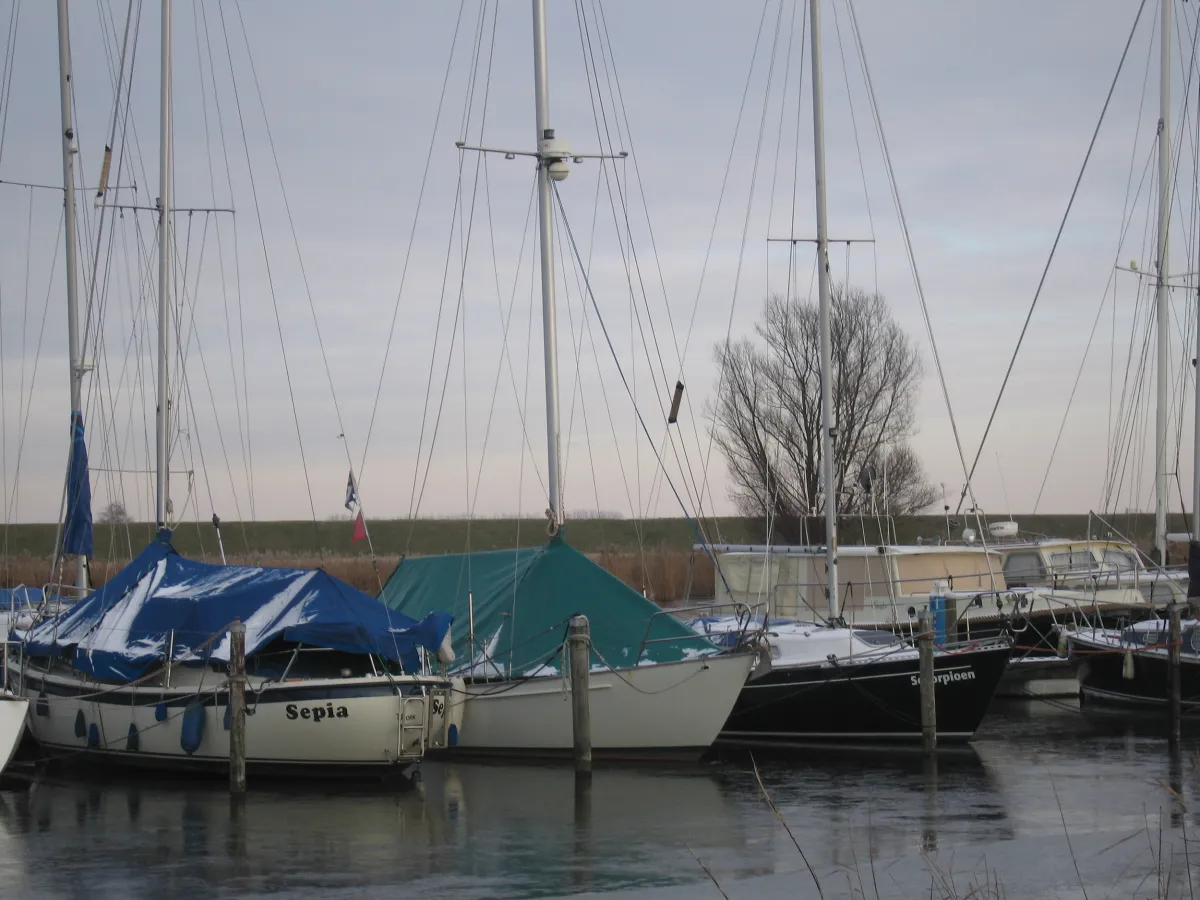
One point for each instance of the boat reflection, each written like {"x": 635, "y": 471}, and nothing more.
{"x": 857, "y": 805}
{"x": 528, "y": 830}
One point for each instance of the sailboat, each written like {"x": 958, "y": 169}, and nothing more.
{"x": 827, "y": 681}
{"x": 1129, "y": 667}
{"x": 656, "y": 688}
{"x": 138, "y": 672}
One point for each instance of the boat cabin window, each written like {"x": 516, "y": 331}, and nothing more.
{"x": 1120, "y": 560}
{"x": 1024, "y": 568}
{"x": 964, "y": 571}
{"x": 878, "y": 638}
{"x": 1143, "y": 637}
{"x": 1156, "y": 592}
{"x": 1072, "y": 562}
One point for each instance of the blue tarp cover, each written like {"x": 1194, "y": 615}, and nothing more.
{"x": 125, "y": 627}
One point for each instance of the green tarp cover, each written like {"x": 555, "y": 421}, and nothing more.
{"x": 522, "y": 601}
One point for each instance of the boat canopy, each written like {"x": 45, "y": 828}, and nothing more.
{"x": 162, "y": 600}
{"x": 521, "y": 600}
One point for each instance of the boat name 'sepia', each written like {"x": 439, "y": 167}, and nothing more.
{"x": 316, "y": 713}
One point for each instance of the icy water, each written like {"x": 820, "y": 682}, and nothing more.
{"x": 869, "y": 825}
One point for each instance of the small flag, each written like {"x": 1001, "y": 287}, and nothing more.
{"x": 360, "y": 528}
{"x": 351, "y": 490}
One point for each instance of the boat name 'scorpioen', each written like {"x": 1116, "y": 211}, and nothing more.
{"x": 946, "y": 677}
{"x": 316, "y": 713}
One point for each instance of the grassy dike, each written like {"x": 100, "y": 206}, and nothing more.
{"x": 652, "y": 554}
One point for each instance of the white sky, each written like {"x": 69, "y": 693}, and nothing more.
{"x": 987, "y": 111}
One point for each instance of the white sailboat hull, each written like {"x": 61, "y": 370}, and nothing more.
{"x": 672, "y": 710}
{"x": 13, "y": 714}
{"x": 358, "y": 724}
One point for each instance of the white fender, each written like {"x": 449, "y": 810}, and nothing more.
{"x": 445, "y": 650}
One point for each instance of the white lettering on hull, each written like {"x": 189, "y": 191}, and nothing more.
{"x": 946, "y": 677}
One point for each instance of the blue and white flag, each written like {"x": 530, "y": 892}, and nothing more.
{"x": 351, "y": 491}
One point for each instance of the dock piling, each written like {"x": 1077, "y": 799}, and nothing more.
{"x": 579, "y": 650}
{"x": 1175, "y": 611}
{"x": 928, "y": 700}
{"x": 237, "y": 708}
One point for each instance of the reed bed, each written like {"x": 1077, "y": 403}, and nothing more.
{"x": 661, "y": 574}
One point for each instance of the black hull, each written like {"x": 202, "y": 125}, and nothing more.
{"x": 1102, "y": 682}
{"x": 877, "y": 703}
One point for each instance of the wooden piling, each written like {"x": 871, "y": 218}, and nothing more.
{"x": 579, "y": 650}
{"x": 1175, "y": 611}
{"x": 237, "y": 708}
{"x": 928, "y": 698}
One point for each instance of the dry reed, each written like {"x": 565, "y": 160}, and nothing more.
{"x": 661, "y": 574}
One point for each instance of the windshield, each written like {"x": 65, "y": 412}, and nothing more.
{"x": 1072, "y": 562}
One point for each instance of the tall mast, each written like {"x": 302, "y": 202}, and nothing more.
{"x": 551, "y": 166}
{"x": 1195, "y": 442}
{"x": 828, "y": 427}
{"x": 164, "y": 270}
{"x": 1161, "y": 294}
{"x": 74, "y": 356}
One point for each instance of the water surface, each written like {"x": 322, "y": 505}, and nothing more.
{"x": 870, "y": 825}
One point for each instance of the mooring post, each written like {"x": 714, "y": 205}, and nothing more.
{"x": 579, "y": 642}
{"x": 1175, "y": 611}
{"x": 928, "y": 700}
{"x": 237, "y": 708}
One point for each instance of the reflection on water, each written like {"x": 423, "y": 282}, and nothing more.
{"x": 890, "y": 821}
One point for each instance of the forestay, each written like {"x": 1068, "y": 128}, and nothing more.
{"x": 162, "y": 600}
{"x": 522, "y": 600}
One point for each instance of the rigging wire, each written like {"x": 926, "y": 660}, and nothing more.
{"x": 1110, "y": 448}
{"x": 1054, "y": 247}
{"x": 411, "y": 238}
{"x": 6, "y": 70}
{"x": 241, "y": 397}
{"x": 300, "y": 261}
{"x": 27, "y": 400}
{"x": 111, "y": 448}
{"x": 505, "y": 326}
{"x": 623, "y": 220}
{"x": 713, "y": 234}
{"x": 745, "y": 224}
{"x": 1095, "y": 323}
{"x": 266, "y": 259}
{"x": 624, "y": 380}
{"x": 418, "y": 490}
{"x": 577, "y": 350}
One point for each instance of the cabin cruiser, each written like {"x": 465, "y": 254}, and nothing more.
{"x": 1088, "y": 565}
{"x": 965, "y": 586}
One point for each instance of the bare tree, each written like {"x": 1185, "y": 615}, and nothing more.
{"x": 115, "y": 514}
{"x": 768, "y": 416}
